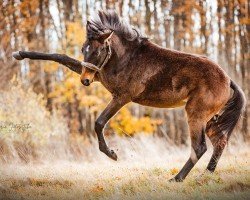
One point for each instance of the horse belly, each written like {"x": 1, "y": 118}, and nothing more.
{"x": 161, "y": 101}
{"x": 160, "y": 104}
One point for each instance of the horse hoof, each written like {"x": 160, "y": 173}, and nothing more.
{"x": 110, "y": 153}
{"x": 113, "y": 155}
{"x": 174, "y": 180}
{"x": 17, "y": 55}
{"x": 171, "y": 180}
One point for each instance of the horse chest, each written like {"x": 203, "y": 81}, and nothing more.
{"x": 113, "y": 84}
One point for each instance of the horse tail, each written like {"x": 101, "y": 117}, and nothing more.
{"x": 225, "y": 123}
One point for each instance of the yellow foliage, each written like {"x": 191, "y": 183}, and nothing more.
{"x": 174, "y": 171}
{"x": 71, "y": 90}
{"x": 50, "y": 66}
{"x": 71, "y": 83}
{"x": 90, "y": 100}
{"x": 125, "y": 123}
{"x": 66, "y": 90}
{"x": 75, "y": 33}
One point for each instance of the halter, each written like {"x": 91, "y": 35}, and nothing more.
{"x": 107, "y": 44}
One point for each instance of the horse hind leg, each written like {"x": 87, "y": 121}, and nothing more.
{"x": 218, "y": 140}
{"x": 219, "y": 131}
{"x": 197, "y": 124}
{"x": 198, "y": 148}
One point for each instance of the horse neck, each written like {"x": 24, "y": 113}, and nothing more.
{"x": 119, "y": 46}
{"x": 122, "y": 50}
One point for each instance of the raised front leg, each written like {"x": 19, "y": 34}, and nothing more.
{"x": 113, "y": 107}
{"x": 69, "y": 62}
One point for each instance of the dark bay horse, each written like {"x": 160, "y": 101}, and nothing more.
{"x": 133, "y": 69}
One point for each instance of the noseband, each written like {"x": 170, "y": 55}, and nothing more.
{"x": 107, "y": 44}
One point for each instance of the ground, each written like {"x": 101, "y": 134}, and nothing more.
{"x": 134, "y": 178}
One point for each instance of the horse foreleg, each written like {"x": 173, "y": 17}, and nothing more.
{"x": 69, "y": 62}
{"x": 113, "y": 107}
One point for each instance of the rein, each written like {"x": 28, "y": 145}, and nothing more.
{"x": 106, "y": 59}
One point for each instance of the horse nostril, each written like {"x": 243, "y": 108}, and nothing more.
{"x": 85, "y": 82}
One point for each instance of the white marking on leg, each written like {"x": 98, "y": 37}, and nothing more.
{"x": 193, "y": 156}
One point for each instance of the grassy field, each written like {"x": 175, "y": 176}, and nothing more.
{"x": 128, "y": 178}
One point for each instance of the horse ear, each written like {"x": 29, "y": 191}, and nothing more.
{"x": 88, "y": 26}
{"x": 105, "y": 36}
{"x": 88, "y": 23}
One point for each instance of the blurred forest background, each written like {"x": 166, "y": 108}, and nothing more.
{"x": 51, "y": 100}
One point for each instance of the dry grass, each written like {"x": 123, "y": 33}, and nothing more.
{"x": 128, "y": 179}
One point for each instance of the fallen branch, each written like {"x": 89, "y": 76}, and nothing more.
{"x": 65, "y": 60}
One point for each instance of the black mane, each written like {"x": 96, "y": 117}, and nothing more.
{"x": 110, "y": 21}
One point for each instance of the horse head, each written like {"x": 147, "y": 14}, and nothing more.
{"x": 107, "y": 35}
{"x": 97, "y": 51}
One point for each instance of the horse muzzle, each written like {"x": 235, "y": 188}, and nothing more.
{"x": 86, "y": 82}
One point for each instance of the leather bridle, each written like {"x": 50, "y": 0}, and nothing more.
{"x": 107, "y": 44}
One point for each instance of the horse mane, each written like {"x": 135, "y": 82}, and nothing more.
{"x": 110, "y": 21}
